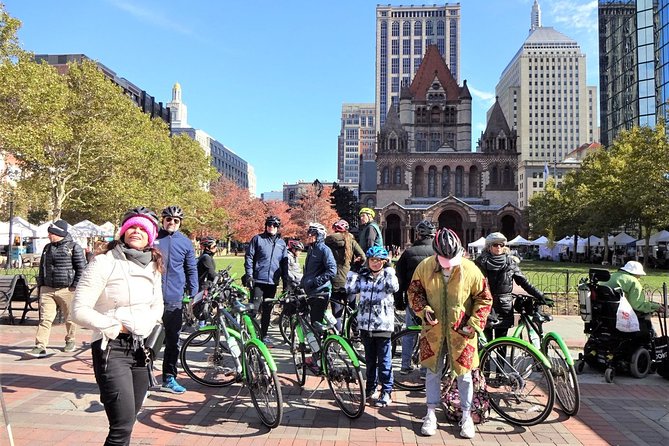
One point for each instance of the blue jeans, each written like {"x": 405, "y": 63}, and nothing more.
{"x": 378, "y": 359}
{"x": 433, "y": 387}
{"x": 123, "y": 379}
{"x": 172, "y": 320}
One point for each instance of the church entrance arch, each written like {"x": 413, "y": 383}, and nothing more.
{"x": 452, "y": 220}
{"x": 393, "y": 235}
{"x": 509, "y": 226}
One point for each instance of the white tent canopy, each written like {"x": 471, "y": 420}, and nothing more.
{"x": 540, "y": 241}
{"x": 108, "y": 229}
{"x": 621, "y": 239}
{"x": 20, "y": 228}
{"x": 87, "y": 228}
{"x": 519, "y": 241}
{"x": 662, "y": 236}
{"x": 480, "y": 243}
{"x": 593, "y": 240}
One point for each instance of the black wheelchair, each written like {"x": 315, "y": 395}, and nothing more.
{"x": 609, "y": 349}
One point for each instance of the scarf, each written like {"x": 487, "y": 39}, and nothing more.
{"x": 141, "y": 258}
{"x": 494, "y": 263}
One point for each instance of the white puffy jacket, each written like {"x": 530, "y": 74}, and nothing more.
{"x": 115, "y": 292}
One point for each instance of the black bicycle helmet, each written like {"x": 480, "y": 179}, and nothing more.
{"x": 173, "y": 211}
{"x": 273, "y": 220}
{"x": 142, "y": 212}
{"x": 425, "y": 229}
{"x": 447, "y": 244}
{"x": 207, "y": 241}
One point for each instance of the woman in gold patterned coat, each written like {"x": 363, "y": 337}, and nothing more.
{"x": 452, "y": 297}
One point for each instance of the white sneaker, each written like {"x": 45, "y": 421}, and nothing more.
{"x": 429, "y": 427}
{"x": 467, "y": 429}
{"x": 375, "y": 395}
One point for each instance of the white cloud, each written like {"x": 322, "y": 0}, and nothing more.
{"x": 153, "y": 17}
{"x": 480, "y": 126}
{"x": 575, "y": 14}
{"x": 487, "y": 97}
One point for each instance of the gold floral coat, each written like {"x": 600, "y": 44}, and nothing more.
{"x": 464, "y": 300}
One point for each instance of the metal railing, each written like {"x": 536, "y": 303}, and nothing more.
{"x": 562, "y": 287}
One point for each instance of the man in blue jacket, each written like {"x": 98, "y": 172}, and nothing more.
{"x": 265, "y": 262}
{"x": 179, "y": 276}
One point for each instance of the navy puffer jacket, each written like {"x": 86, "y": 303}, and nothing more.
{"x": 266, "y": 259}
{"x": 319, "y": 268}
{"x": 62, "y": 264}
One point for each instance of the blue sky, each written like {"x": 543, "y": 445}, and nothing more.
{"x": 268, "y": 78}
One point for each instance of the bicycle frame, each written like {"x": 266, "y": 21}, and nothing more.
{"x": 299, "y": 331}
{"x": 526, "y": 322}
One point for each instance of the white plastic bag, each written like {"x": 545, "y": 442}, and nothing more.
{"x": 626, "y": 319}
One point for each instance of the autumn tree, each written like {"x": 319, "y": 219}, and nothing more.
{"x": 281, "y": 209}
{"x": 315, "y": 205}
{"x": 241, "y": 215}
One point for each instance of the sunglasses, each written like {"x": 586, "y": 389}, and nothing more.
{"x": 174, "y": 219}
{"x": 272, "y": 225}
{"x": 498, "y": 245}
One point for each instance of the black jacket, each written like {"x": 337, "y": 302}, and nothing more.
{"x": 62, "y": 264}
{"x": 500, "y": 281}
{"x": 206, "y": 268}
{"x": 409, "y": 260}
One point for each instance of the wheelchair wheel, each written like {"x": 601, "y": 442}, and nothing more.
{"x": 640, "y": 363}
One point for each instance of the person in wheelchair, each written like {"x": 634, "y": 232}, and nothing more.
{"x": 627, "y": 279}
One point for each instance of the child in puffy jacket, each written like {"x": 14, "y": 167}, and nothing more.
{"x": 376, "y": 282}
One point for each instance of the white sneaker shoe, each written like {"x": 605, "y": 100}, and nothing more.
{"x": 467, "y": 429}
{"x": 429, "y": 427}
{"x": 374, "y": 396}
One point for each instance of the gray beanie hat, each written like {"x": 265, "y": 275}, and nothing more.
{"x": 494, "y": 237}
{"x": 59, "y": 228}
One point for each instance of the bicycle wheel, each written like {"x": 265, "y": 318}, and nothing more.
{"x": 344, "y": 378}
{"x": 407, "y": 374}
{"x": 353, "y": 336}
{"x": 284, "y": 327}
{"x": 297, "y": 349}
{"x": 263, "y": 384}
{"x": 207, "y": 362}
{"x": 520, "y": 386}
{"x": 566, "y": 383}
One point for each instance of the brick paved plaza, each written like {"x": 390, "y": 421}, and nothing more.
{"x": 54, "y": 401}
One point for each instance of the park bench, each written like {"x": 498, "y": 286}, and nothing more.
{"x": 16, "y": 289}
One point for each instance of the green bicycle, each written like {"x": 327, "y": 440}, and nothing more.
{"x": 337, "y": 362}
{"x": 225, "y": 352}
{"x": 530, "y": 327}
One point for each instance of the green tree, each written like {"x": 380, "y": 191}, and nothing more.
{"x": 345, "y": 203}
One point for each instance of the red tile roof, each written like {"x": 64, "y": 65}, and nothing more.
{"x": 433, "y": 65}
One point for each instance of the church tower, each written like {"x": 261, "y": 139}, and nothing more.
{"x": 178, "y": 110}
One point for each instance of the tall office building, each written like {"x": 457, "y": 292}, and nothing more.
{"x": 223, "y": 159}
{"x": 403, "y": 34}
{"x": 544, "y": 96}
{"x": 357, "y": 139}
{"x": 633, "y": 88}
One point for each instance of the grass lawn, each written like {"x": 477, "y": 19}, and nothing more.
{"x": 654, "y": 279}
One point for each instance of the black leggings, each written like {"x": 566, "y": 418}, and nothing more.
{"x": 262, "y": 292}
{"x": 338, "y": 308}
{"x": 318, "y": 303}
{"x": 123, "y": 378}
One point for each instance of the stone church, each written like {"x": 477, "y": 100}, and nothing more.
{"x": 425, "y": 168}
